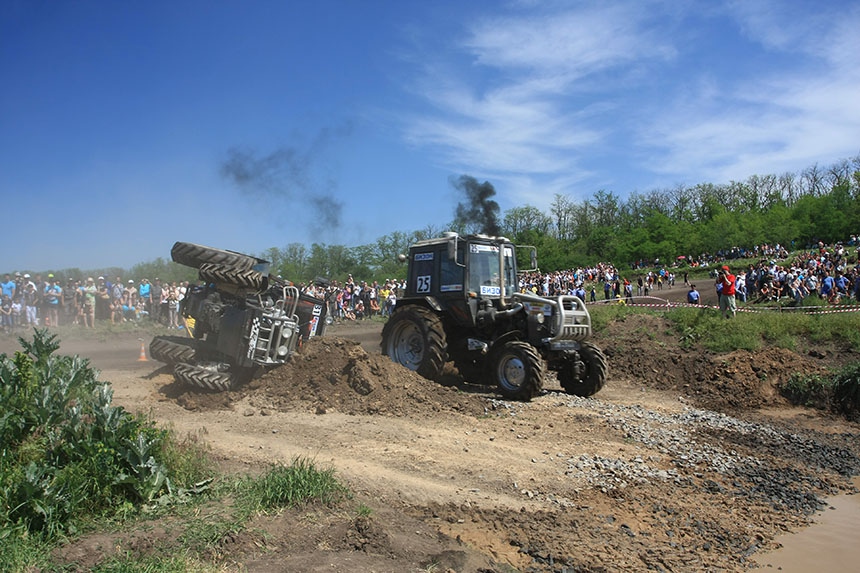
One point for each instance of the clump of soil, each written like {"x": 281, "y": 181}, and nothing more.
{"x": 336, "y": 374}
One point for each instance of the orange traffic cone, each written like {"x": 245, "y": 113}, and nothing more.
{"x": 142, "y": 357}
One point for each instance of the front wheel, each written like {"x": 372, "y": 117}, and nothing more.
{"x": 592, "y": 372}
{"x": 415, "y": 338}
{"x": 517, "y": 369}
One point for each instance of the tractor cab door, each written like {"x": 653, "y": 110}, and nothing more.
{"x": 487, "y": 268}
{"x": 433, "y": 272}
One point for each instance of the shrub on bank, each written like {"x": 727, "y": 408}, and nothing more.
{"x": 66, "y": 453}
{"x": 839, "y": 392}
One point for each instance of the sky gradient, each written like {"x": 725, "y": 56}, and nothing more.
{"x": 125, "y": 127}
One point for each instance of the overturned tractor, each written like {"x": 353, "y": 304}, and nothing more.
{"x": 244, "y": 319}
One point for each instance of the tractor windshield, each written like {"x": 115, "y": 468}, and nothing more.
{"x": 484, "y": 268}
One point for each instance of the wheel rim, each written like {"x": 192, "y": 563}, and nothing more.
{"x": 511, "y": 372}
{"x": 407, "y": 346}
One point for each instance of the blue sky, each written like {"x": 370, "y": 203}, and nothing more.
{"x": 126, "y": 126}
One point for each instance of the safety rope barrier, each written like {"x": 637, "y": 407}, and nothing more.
{"x": 668, "y": 305}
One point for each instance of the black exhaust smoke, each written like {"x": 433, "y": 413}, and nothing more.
{"x": 288, "y": 173}
{"x": 480, "y": 213}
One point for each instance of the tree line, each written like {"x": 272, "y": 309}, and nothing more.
{"x": 795, "y": 210}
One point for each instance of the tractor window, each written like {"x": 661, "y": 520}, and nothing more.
{"x": 452, "y": 273}
{"x": 484, "y": 270}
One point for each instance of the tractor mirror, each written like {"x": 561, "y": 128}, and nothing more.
{"x": 452, "y": 248}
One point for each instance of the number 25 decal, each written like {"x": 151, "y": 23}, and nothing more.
{"x": 423, "y": 284}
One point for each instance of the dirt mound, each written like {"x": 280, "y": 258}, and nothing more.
{"x": 643, "y": 349}
{"x": 332, "y": 373}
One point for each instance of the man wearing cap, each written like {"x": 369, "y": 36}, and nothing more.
{"x": 726, "y": 287}
{"x": 53, "y": 292}
{"x": 30, "y": 301}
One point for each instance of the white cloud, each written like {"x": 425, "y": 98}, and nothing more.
{"x": 799, "y": 112}
{"x": 519, "y": 100}
{"x": 540, "y": 98}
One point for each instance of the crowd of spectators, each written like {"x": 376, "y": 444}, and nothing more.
{"x": 34, "y": 301}
{"x": 828, "y": 273}
{"x": 357, "y": 300}
{"x": 823, "y": 272}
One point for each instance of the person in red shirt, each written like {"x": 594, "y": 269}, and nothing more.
{"x": 726, "y": 284}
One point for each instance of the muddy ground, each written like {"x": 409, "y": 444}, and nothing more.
{"x": 685, "y": 461}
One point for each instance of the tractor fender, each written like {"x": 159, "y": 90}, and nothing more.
{"x": 503, "y": 339}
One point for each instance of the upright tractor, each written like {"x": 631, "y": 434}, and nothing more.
{"x": 462, "y": 304}
{"x": 243, "y": 319}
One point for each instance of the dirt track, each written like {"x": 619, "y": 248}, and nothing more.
{"x": 639, "y": 478}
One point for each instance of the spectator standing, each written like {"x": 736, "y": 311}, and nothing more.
{"x": 69, "y": 302}
{"x": 6, "y": 313}
{"x": 144, "y": 291}
{"x": 173, "y": 306}
{"x": 155, "y": 293}
{"x": 17, "y": 310}
{"x": 384, "y": 291}
{"x": 31, "y": 316}
{"x": 726, "y": 287}
{"x": 102, "y": 308}
{"x": 827, "y": 285}
{"x": 53, "y": 298}
{"x": 8, "y": 286}
{"x": 116, "y": 290}
{"x": 88, "y": 308}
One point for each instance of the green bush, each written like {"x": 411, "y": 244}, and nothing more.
{"x": 839, "y": 392}
{"x": 808, "y": 390}
{"x": 66, "y": 453}
{"x": 846, "y": 391}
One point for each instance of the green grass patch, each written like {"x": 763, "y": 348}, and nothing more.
{"x": 602, "y": 315}
{"x": 288, "y": 486}
{"x": 752, "y": 331}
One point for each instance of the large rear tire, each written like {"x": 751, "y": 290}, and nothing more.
{"x": 517, "y": 369}
{"x": 192, "y": 255}
{"x": 173, "y": 349}
{"x": 593, "y": 372}
{"x": 225, "y": 274}
{"x": 415, "y": 338}
{"x": 204, "y": 378}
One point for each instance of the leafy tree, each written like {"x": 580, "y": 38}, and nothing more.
{"x": 528, "y": 218}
